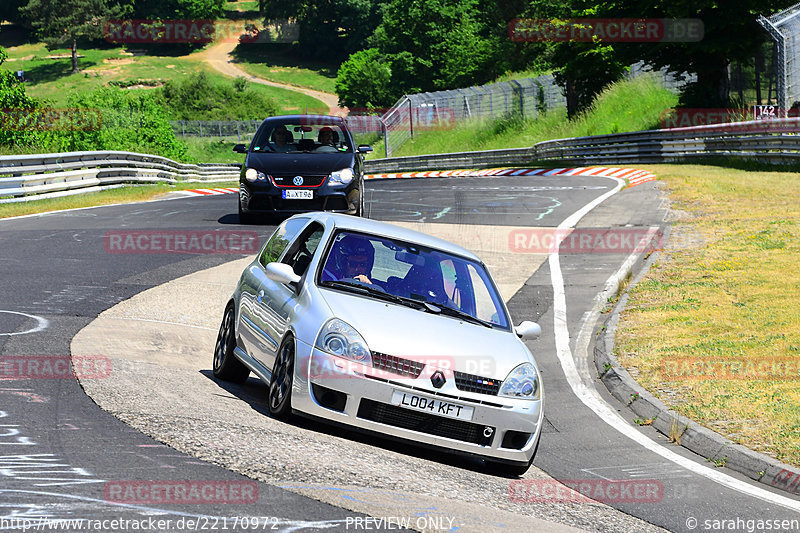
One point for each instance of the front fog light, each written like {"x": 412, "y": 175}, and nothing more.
{"x": 340, "y": 339}
{"x": 522, "y": 382}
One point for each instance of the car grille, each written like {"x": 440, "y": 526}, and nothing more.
{"x": 308, "y": 181}
{"x": 392, "y": 415}
{"x": 397, "y": 365}
{"x": 478, "y": 384}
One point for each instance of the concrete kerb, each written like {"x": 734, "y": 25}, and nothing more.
{"x": 680, "y": 430}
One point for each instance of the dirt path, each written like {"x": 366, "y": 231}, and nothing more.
{"x": 218, "y": 56}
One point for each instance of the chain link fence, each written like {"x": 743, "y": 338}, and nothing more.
{"x": 527, "y": 97}
{"x": 784, "y": 28}
{"x": 229, "y": 130}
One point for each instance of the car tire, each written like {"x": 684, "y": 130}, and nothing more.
{"x": 280, "y": 384}
{"x": 244, "y": 218}
{"x": 226, "y": 366}
{"x": 361, "y": 211}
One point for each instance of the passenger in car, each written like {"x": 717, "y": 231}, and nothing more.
{"x": 327, "y": 140}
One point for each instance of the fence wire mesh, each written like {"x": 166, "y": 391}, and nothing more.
{"x": 784, "y": 28}
{"x": 241, "y": 130}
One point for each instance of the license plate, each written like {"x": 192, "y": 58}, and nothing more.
{"x": 432, "y": 405}
{"x": 302, "y": 194}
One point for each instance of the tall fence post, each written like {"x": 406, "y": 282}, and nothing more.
{"x": 410, "y": 118}
{"x": 385, "y": 137}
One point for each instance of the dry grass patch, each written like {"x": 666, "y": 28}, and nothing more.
{"x": 722, "y": 304}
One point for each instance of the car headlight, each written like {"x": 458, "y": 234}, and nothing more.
{"x": 522, "y": 382}
{"x": 340, "y": 339}
{"x": 343, "y": 176}
{"x": 252, "y": 175}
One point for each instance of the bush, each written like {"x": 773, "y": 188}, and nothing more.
{"x": 14, "y": 97}
{"x": 197, "y": 98}
{"x": 131, "y": 121}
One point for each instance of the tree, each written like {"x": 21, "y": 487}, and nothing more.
{"x": 731, "y": 34}
{"x": 57, "y": 22}
{"x": 9, "y": 10}
{"x": 178, "y": 9}
{"x": 364, "y": 80}
{"x": 328, "y": 29}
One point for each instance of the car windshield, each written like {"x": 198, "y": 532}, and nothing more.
{"x": 306, "y": 135}
{"x": 404, "y": 272}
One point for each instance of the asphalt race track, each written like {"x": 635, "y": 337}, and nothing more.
{"x": 62, "y": 456}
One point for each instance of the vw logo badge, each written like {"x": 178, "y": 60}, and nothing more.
{"x": 298, "y": 180}
{"x": 438, "y": 380}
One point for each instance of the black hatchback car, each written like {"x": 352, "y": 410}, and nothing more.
{"x": 300, "y": 163}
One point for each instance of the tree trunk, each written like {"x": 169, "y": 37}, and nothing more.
{"x": 759, "y": 60}
{"x": 715, "y": 87}
{"x": 572, "y": 97}
{"x": 74, "y": 55}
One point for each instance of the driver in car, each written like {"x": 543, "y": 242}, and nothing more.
{"x": 354, "y": 258}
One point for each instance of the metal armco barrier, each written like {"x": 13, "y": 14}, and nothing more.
{"x": 27, "y": 177}
{"x": 773, "y": 141}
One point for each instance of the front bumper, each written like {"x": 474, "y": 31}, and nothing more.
{"x": 501, "y": 429}
{"x": 267, "y": 199}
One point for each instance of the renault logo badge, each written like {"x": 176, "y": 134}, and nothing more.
{"x": 298, "y": 180}
{"x": 438, "y": 380}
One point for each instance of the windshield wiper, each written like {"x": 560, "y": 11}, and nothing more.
{"x": 458, "y": 313}
{"x": 375, "y": 291}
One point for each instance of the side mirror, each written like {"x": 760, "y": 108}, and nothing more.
{"x": 527, "y": 330}
{"x": 282, "y": 273}
{"x": 240, "y": 149}
{"x": 364, "y": 148}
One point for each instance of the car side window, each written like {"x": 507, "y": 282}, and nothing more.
{"x": 302, "y": 250}
{"x": 284, "y": 235}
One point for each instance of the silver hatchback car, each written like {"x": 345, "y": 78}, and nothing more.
{"x": 385, "y": 329}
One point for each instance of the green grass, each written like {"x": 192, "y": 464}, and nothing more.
{"x": 139, "y": 193}
{"x": 630, "y": 105}
{"x": 208, "y": 150}
{"x": 722, "y": 294}
{"x": 276, "y": 62}
{"x": 51, "y": 80}
{"x": 242, "y": 5}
